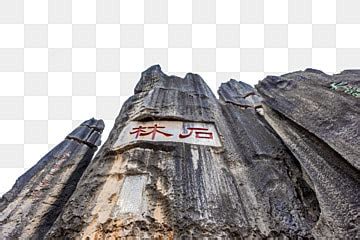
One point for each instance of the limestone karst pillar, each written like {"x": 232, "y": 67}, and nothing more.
{"x": 181, "y": 163}
{"x": 277, "y": 161}
{"x": 318, "y": 118}
{"x": 29, "y": 209}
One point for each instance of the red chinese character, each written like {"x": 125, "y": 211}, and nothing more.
{"x": 155, "y": 129}
{"x": 139, "y": 130}
{"x": 199, "y": 133}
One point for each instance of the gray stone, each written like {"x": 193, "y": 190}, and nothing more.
{"x": 307, "y": 99}
{"x": 251, "y": 186}
{"x": 240, "y": 94}
{"x": 321, "y": 126}
{"x": 285, "y": 165}
{"x": 30, "y": 208}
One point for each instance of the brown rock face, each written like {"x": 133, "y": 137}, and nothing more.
{"x": 279, "y": 161}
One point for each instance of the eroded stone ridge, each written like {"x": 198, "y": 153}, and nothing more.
{"x": 30, "y": 208}
{"x": 278, "y": 161}
{"x": 321, "y": 127}
{"x": 239, "y": 93}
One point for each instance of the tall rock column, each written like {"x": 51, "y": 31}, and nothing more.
{"x": 283, "y": 202}
{"x": 176, "y": 165}
{"x": 30, "y": 208}
{"x": 318, "y": 118}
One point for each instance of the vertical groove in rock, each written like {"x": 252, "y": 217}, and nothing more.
{"x": 308, "y": 99}
{"x": 30, "y": 208}
{"x": 273, "y": 173}
{"x": 320, "y": 125}
{"x": 250, "y": 186}
{"x": 278, "y": 161}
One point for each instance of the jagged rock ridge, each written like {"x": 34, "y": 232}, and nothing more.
{"x": 30, "y": 208}
{"x": 286, "y": 166}
{"x": 321, "y": 127}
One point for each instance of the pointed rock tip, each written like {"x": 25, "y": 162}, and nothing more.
{"x": 153, "y": 69}
{"x": 94, "y": 123}
{"x": 191, "y": 75}
{"x": 148, "y": 78}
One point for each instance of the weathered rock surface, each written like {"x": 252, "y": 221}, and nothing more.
{"x": 30, "y": 208}
{"x": 307, "y": 99}
{"x": 282, "y": 200}
{"x": 239, "y": 93}
{"x": 278, "y": 161}
{"x": 251, "y": 186}
{"x": 188, "y": 190}
{"x": 321, "y": 127}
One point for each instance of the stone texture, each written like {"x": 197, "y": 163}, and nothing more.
{"x": 282, "y": 199}
{"x": 321, "y": 126}
{"x": 287, "y": 165}
{"x": 240, "y": 94}
{"x": 251, "y": 186}
{"x": 29, "y": 209}
{"x": 307, "y": 99}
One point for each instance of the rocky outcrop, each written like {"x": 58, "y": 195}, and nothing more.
{"x": 320, "y": 122}
{"x": 182, "y": 185}
{"x": 282, "y": 199}
{"x": 278, "y": 161}
{"x": 30, "y": 208}
{"x": 249, "y": 186}
{"x": 240, "y": 94}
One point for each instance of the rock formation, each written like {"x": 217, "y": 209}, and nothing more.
{"x": 281, "y": 160}
{"x": 321, "y": 126}
{"x": 30, "y": 208}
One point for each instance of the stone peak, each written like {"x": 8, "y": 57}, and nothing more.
{"x": 99, "y": 125}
